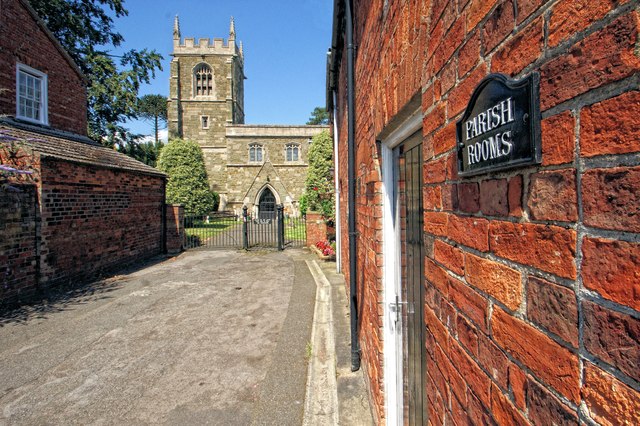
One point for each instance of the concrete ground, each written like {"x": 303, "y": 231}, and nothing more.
{"x": 208, "y": 337}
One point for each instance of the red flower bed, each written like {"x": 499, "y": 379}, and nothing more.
{"x": 326, "y": 248}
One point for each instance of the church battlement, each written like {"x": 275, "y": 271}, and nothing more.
{"x": 205, "y": 46}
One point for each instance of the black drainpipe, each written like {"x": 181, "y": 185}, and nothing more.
{"x": 163, "y": 216}
{"x": 351, "y": 166}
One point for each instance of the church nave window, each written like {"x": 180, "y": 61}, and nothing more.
{"x": 292, "y": 152}
{"x": 255, "y": 153}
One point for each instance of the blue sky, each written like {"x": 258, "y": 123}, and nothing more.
{"x": 285, "y": 45}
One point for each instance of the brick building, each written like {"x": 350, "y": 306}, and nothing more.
{"x": 85, "y": 208}
{"x": 509, "y": 296}
{"x": 248, "y": 165}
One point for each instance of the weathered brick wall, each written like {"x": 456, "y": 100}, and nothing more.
{"x": 24, "y": 41}
{"x": 18, "y": 221}
{"x": 532, "y": 307}
{"x": 174, "y": 219}
{"x": 96, "y": 218}
{"x": 388, "y": 71}
{"x": 316, "y": 228}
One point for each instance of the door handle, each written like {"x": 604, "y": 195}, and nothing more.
{"x": 396, "y": 308}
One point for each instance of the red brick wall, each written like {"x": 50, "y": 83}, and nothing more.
{"x": 316, "y": 228}
{"x": 174, "y": 218}
{"x": 532, "y": 309}
{"x": 96, "y": 218}
{"x": 22, "y": 40}
{"x": 18, "y": 221}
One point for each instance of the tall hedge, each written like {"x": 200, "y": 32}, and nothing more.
{"x": 182, "y": 160}
{"x": 319, "y": 187}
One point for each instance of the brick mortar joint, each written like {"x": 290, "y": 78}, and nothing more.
{"x": 595, "y": 95}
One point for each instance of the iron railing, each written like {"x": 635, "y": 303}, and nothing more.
{"x": 227, "y": 230}
{"x": 220, "y": 229}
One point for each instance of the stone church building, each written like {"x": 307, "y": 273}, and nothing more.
{"x": 257, "y": 166}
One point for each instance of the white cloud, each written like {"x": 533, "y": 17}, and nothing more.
{"x": 163, "y": 135}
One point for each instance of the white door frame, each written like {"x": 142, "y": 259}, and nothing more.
{"x": 392, "y": 330}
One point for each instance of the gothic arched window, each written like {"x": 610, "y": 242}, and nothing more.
{"x": 202, "y": 80}
{"x": 292, "y": 152}
{"x": 255, "y": 153}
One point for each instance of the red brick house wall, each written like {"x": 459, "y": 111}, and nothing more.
{"x": 532, "y": 310}
{"x": 26, "y": 41}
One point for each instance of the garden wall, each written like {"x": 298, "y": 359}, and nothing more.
{"x": 18, "y": 227}
{"x": 82, "y": 220}
{"x": 316, "y": 228}
{"x": 95, "y": 218}
{"x": 532, "y": 310}
{"x": 174, "y": 228}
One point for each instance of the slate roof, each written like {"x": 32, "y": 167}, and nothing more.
{"x": 70, "y": 147}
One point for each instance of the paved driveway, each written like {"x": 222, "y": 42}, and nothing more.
{"x": 209, "y": 337}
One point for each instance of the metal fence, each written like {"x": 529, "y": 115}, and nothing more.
{"x": 228, "y": 230}
{"x": 220, "y": 229}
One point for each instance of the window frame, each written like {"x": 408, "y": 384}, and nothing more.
{"x": 253, "y": 148}
{"x": 202, "y": 121}
{"x": 44, "y": 104}
{"x": 295, "y": 148}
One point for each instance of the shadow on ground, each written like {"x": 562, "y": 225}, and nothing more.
{"x": 69, "y": 294}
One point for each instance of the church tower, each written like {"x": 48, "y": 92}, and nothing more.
{"x": 206, "y": 93}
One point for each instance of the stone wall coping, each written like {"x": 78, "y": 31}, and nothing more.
{"x": 267, "y": 130}
{"x": 279, "y": 165}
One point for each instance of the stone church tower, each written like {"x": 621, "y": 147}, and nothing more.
{"x": 247, "y": 165}
{"x": 206, "y": 92}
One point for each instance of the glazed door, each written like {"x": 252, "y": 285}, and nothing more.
{"x": 412, "y": 277}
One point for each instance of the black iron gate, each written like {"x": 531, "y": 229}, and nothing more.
{"x": 227, "y": 230}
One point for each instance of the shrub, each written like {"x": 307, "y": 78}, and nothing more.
{"x": 319, "y": 188}
{"x": 182, "y": 160}
{"x": 303, "y": 204}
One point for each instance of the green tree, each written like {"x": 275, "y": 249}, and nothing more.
{"x": 85, "y": 30}
{"x": 147, "y": 152}
{"x": 319, "y": 115}
{"x": 319, "y": 187}
{"x": 153, "y": 108}
{"x": 187, "y": 185}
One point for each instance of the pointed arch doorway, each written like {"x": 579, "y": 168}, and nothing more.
{"x": 267, "y": 204}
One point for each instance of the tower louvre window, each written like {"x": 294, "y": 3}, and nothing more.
{"x": 203, "y": 80}
{"x": 255, "y": 153}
